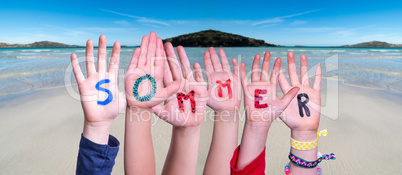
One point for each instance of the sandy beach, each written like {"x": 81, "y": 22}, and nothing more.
{"x": 41, "y": 132}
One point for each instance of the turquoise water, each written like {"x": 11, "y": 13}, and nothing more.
{"x": 30, "y": 69}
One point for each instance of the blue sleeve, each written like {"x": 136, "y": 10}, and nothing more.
{"x": 94, "y": 158}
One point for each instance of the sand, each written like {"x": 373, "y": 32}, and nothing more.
{"x": 40, "y": 133}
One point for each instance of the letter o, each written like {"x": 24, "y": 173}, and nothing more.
{"x": 150, "y": 94}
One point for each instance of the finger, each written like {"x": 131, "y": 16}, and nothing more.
{"x": 283, "y": 82}
{"x": 173, "y": 62}
{"x": 215, "y": 59}
{"x": 304, "y": 71}
{"x": 115, "y": 59}
{"x": 198, "y": 72}
{"x": 159, "y": 58}
{"x": 167, "y": 77}
{"x": 144, "y": 51}
{"x": 224, "y": 59}
{"x": 255, "y": 68}
{"x": 235, "y": 66}
{"x": 317, "y": 79}
{"x": 151, "y": 47}
{"x": 265, "y": 66}
{"x": 288, "y": 97}
{"x": 102, "y": 54}
{"x": 90, "y": 60}
{"x": 185, "y": 64}
{"x": 244, "y": 80}
{"x": 294, "y": 79}
{"x": 76, "y": 69}
{"x": 275, "y": 75}
{"x": 207, "y": 62}
{"x": 134, "y": 59}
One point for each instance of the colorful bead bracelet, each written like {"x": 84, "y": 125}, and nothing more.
{"x": 307, "y": 164}
{"x": 287, "y": 171}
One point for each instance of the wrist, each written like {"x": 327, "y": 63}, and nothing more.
{"x": 97, "y": 132}
{"x": 304, "y": 136}
{"x": 257, "y": 127}
{"x": 187, "y": 131}
{"x": 226, "y": 115}
{"x": 137, "y": 107}
{"x": 138, "y": 114}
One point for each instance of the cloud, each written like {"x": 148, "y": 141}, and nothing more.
{"x": 297, "y": 22}
{"x": 139, "y": 18}
{"x": 280, "y": 19}
{"x": 105, "y": 29}
{"x": 313, "y": 29}
{"x": 185, "y": 22}
{"x": 122, "y": 22}
{"x": 235, "y": 22}
{"x": 156, "y": 22}
{"x": 152, "y": 25}
{"x": 273, "y": 20}
{"x": 344, "y": 33}
{"x": 268, "y": 25}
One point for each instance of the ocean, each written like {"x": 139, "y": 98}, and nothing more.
{"x": 29, "y": 69}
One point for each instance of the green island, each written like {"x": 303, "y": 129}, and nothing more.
{"x": 373, "y": 44}
{"x": 36, "y": 44}
{"x": 214, "y": 38}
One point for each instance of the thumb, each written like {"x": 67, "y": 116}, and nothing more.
{"x": 172, "y": 88}
{"x": 289, "y": 96}
{"x": 157, "y": 109}
{"x": 160, "y": 111}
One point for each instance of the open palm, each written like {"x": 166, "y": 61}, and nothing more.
{"x": 99, "y": 105}
{"x": 148, "y": 60}
{"x": 222, "y": 98}
{"x": 270, "y": 106}
{"x": 291, "y": 115}
{"x": 171, "y": 112}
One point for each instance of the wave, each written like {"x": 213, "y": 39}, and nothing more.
{"x": 6, "y": 75}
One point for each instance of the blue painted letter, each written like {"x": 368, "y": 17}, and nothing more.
{"x": 110, "y": 96}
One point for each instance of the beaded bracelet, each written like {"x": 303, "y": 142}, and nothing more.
{"x": 287, "y": 171}
{"x": 307, "y": 145}
{"x": 307, "y": 164}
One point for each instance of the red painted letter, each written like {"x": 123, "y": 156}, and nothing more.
{"x": 226, "y": 84}
{"x": 257, "y": 98}
{"x": 181, "y": 96}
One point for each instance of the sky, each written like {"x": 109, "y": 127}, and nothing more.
{"x": 310, "y": 23}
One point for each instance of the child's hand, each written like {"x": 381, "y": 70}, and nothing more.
{"x": 292, "y": 115}
{"x": 224, "y": 87}
{"x": 260, "y": 97}
{"x": 100, "y": 97}
{"x": 302, "y": 115}
{"x": 262, "y": 107}
{"x": 143, "y": 82}
{"x": 192, "y": 95}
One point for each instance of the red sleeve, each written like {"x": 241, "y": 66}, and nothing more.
{"x": 256, "y": 167}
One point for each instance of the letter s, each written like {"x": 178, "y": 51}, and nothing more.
{"x": 110, "y": 95}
